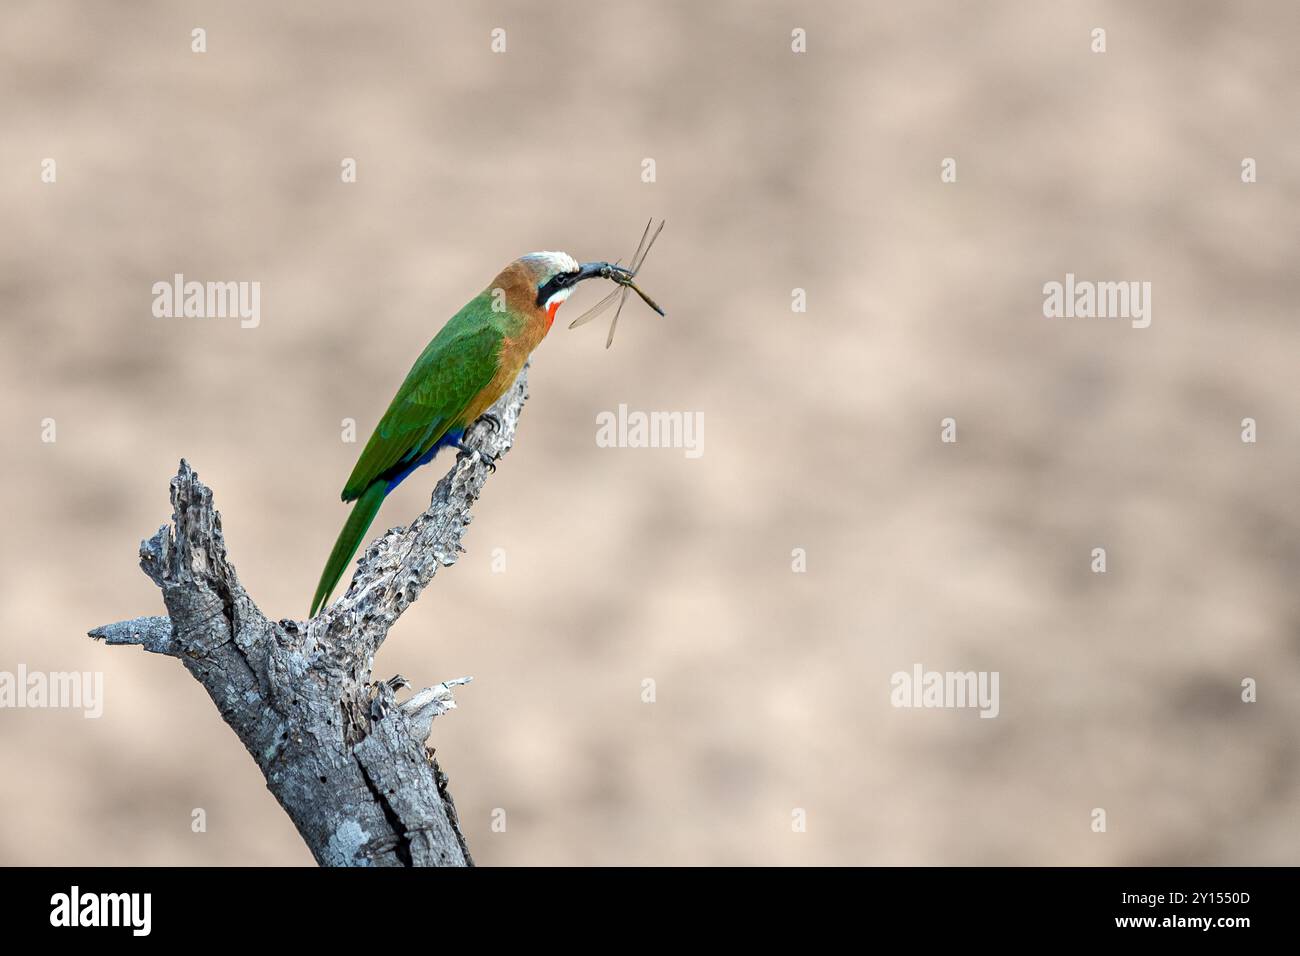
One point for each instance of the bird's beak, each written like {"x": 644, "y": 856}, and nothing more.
{"x": 601, "y": 270}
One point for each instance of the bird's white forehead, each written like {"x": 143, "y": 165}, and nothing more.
{"x": 555, "y": 262}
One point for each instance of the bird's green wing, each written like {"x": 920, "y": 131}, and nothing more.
{"x": 457, "y": 365}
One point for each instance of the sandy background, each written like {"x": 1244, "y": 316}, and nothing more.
{"x": 774, "y": 171}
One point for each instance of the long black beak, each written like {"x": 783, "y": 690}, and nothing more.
{"x": 602, "y": 270}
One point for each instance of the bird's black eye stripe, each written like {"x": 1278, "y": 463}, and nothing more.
{"x": 555, "y": 284}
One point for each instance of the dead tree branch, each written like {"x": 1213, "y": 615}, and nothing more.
{"x": 346, "y": 759}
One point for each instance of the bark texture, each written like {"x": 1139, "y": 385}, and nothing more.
{"x": 346, "y": 758}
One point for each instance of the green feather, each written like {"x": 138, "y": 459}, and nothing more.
{"x": 445, "y": 380}
{"x": 354, "y": 529}
{"x": 451, "y": 371}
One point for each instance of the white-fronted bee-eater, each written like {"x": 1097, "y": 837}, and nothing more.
{"x": 469, "y": 364}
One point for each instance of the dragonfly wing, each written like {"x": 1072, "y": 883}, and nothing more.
{"x": 596, "y": 309}
{"x": 640, "y": 247}
{"x": 612, "y": 325}
{"x": 643, "y": 249}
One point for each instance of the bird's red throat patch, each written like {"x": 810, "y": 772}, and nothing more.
{"x": 550, "y": 314}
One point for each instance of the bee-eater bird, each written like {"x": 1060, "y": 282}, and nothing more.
{"x": 469, "y": 365}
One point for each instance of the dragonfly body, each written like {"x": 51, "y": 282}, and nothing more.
{"x": 623, "y": 277}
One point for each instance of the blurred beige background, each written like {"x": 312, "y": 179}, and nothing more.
{"x": 775, "y": 171}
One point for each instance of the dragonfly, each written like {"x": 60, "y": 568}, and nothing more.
{"x": 623, "y": 278}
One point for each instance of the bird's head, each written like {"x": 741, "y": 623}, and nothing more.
{"x": 552, "y": 277}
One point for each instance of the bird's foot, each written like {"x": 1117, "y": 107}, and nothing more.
{"x": 493, "y": 422}
{"x": 490, "y": 460}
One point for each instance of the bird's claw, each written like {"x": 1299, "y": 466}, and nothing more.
{"x": 489, "y": 460}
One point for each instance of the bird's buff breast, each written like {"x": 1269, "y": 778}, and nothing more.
{"x": 514, "y": 353}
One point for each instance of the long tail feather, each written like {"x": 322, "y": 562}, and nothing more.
{"x": 354, "y": 530}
